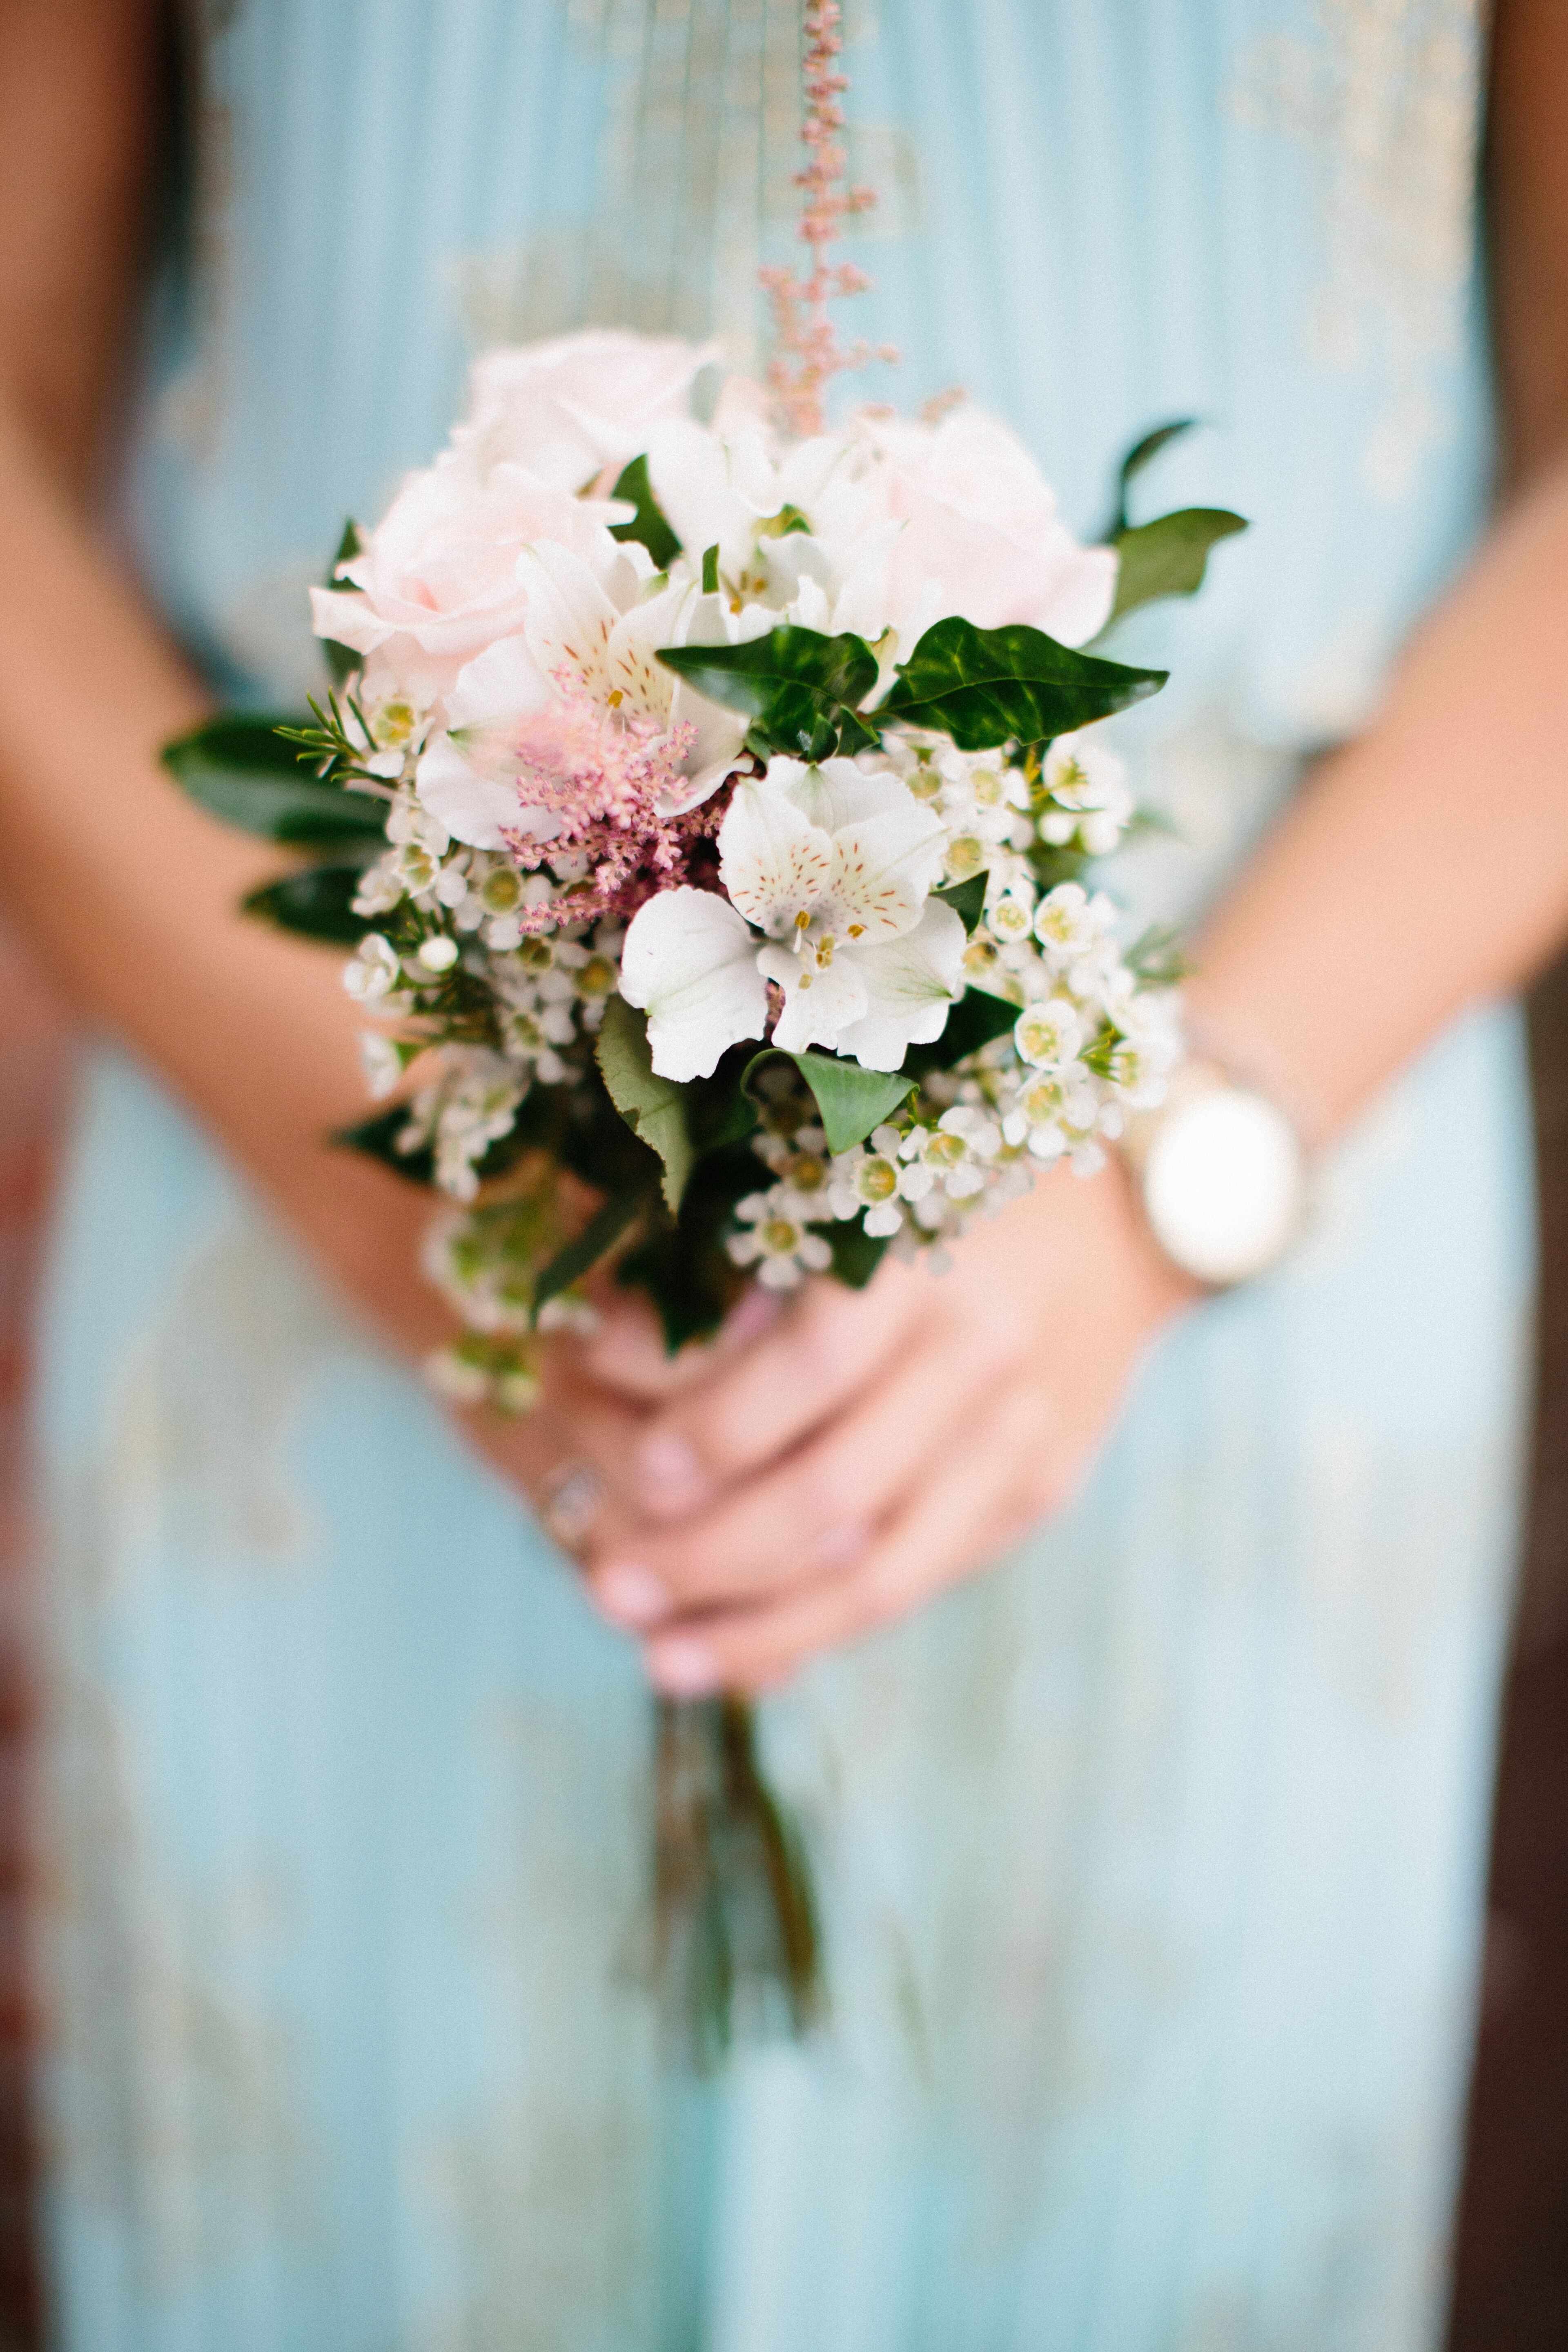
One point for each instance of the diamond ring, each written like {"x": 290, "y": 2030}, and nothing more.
{"x": 571, "y": 1502}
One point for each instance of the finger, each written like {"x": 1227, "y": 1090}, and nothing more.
{"x": 628, "y": 1352}
{"x": 568, "y": 1461}
{"x": 755, "y": 1406}
{"x": 814, "y": 1513}
{"x": 981, "y": 1500}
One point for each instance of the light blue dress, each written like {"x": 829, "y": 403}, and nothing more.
{"x": 1151, "y": 1860}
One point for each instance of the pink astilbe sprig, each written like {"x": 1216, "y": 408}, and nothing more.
{"x": 604, "y": 776}
{"x": 807, "y": 354}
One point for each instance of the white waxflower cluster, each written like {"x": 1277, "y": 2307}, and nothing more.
{"x": 448, "y": 910}
{"x": 1000, "y": 814}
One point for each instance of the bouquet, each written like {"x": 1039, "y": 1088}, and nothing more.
{"x": 709, "y": 799}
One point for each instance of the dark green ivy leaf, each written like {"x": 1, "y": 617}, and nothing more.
{"x": 1141, "y": 455}
{"x": 799, "y": 688}
{"x": 650, "y": 526}
{"x": 1169, "y": 557}
{"x": 653, "y": 1107}
{"x": 317, "y": 903}
{"x": 988, "y": 686}
{"x": 966, "y": 899}
{"x": 852, "y": 1100}
{"x": 239, "y": 768}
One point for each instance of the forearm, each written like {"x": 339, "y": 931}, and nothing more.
{"x": 1425, "y": 867}
{"x": 129, "y": 893}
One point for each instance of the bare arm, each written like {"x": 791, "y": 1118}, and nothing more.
{"x": 872, "y": 1451}
{"x": 1427, "y": 867}
{"x": 126, "y": 892}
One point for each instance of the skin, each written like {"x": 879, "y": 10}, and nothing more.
{"x": 823, "y": 1469}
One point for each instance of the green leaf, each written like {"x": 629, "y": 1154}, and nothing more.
{"x": 852, "y": 1100}
{"x": 650, "y": 526}
{"x": 342, "y": 661}
{"x": 798, "y": 687}
{"x": 597, "y": 1238}
{"x": 975, "y": 1020}
{"x": 966, "y": 899}
{"x": 1169, "y": 557}
{"x": 682, "y": 1264}
{"x": 653, "y": 1107}
{"x": 987, "y": 687}
{"x": 710, "y": 569}
{"x": 240, "y": 770}
{"x": 317, "y": 903}
{"x": 1141, "y": 455}
{"x": 857, "y": 1254}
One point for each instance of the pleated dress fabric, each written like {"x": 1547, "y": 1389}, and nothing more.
{"x": 1152, "y": 1859}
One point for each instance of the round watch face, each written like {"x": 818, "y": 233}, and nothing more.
{"x": 1223, "y": 1185}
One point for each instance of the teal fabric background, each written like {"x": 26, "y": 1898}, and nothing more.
{"x": 1151, "y": 1860}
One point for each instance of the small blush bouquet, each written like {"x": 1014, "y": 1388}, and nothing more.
{"x": 710, "y": 798}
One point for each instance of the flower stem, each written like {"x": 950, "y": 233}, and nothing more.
{"x": 736, "y": 1946}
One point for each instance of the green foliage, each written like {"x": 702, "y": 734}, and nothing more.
{"x": 1169, "y": 557}
{"x": 317, "y": 903}
{"x": 966, "y": 899}
{"x": 710, "y": 569}
{"x": 653, "y": 1107}
{"x": 1141, "y": 455}
{"x": 342, "y": 661}
{"x": 681, "y": 1263}
{"x": 580, "y": 1256}
{"x": 975, "y": 1020}
{"x": 857, "y": 1254}
{"x": 650, "y": 526}
{"x": 990, "y": 687}
{"x": 799, "y": 688}
{"x": 850, "y": 1100}
{"x": 243, "y": 771}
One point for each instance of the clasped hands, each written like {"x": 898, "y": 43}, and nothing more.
{"x": 837, "y": 1458}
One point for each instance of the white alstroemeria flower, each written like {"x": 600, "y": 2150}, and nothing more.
{"x": 596, "y": 628}
{"x": 835, "y": 866}
{"x": 690, "y": 964}
{"x": 733, "y": 492}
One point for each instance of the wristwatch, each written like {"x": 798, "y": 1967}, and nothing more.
{"x": 1222, "y": 1173}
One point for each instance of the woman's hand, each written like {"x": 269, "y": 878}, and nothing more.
{"x": 867, "y": 1450}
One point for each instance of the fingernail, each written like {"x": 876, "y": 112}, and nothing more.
{"x": 669, "y": 1469}
{"x": 839, "y": 1546}
{"x": 682, "y": 1669}
{"x": 633, "y": 1595}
